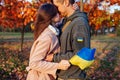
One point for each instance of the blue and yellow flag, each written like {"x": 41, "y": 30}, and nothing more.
{"x": 84, "y": 58}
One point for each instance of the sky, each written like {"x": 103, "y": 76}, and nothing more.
{"x": 111, "y": 9}
{"x": 114, "y": 7}
{"x": 29, "y": 0}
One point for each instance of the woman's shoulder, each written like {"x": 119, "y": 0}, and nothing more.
{"x": 45, "y": 34}
{"x": 49, "y": 33}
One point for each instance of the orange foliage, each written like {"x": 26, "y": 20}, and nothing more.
{"x": 7, "y": 1}
{"x": 97, "y": 16}
{"x": 87, "y": 7}
{"x": 100, "y": 13}
{"x": 116, "y": 17}
{"x": 18, "y": 13}
{"x": 114, "y": 1}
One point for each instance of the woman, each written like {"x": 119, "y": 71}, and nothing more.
{"x": 45, "y": 44}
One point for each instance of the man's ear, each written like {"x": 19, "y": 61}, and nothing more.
{"x": 66, "y": 3}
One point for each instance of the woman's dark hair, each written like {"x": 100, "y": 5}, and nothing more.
{"x": 44, "y": 17}
{"x": 72, "y": 1}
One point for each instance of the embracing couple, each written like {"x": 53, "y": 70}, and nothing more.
{"x": 53, "y": 47}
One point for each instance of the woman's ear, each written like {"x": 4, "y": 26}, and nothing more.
{"x": 56, "y": 18}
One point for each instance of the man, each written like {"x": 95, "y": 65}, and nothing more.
{"x": 75, "y": 35}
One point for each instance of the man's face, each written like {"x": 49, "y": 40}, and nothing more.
{"x": 61, "y": 7}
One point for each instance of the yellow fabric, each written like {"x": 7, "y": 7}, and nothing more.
{"x": 76, "y": 60}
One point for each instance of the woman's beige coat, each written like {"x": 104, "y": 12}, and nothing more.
{"x": 46, "y": 44}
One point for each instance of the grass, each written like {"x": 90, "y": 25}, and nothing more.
{"x": 10, "y": 35}
{"x": 108, "y": 37}
{"x": 105, "y": 67}
{"x": 107, "y": 58}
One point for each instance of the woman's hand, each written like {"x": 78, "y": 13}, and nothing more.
{"x": 63, "y": 65}
{"x": 49, "y": 57}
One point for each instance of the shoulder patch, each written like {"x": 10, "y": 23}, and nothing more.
{"x": 79, "y": 39}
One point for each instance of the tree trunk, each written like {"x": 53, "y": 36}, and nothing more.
{"x": 81, "y": 5}
{"x": 22, "y": 38}
{"x": 85, "y": 1}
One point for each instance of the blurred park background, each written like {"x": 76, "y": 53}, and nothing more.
{"x": 16, "y": 37}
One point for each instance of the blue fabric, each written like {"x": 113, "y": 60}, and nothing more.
{"x": 86, "y": 53}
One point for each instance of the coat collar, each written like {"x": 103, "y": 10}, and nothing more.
{"x": 54, "y": 30}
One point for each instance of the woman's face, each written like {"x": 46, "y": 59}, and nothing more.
{"x": 56, "y": 18}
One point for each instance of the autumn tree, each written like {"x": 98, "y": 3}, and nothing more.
{"x": 116, "y": 21}
{"x": 19, "y": 13}
{"x": 16, "y": 13}
{"x": 99, "y": 16}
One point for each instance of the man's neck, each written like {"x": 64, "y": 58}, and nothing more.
{"x": 70, "y": 11}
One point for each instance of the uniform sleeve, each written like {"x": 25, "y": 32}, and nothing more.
{"x": 81, "y": 35}
{"x": 80, "y": 38}
{"x": 37, "y": 61}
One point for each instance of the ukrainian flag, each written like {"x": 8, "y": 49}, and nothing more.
{"x": 84, "y": 58}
